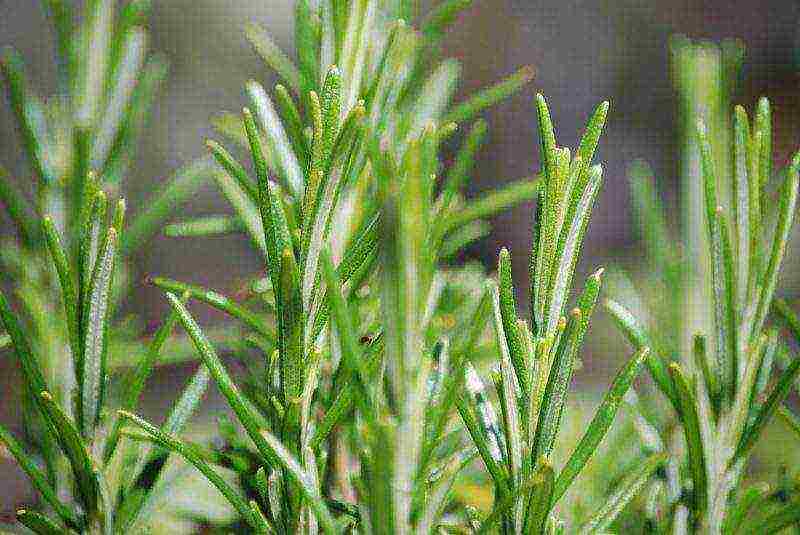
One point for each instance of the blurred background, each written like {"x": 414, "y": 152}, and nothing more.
{"x": 582, "y": 51}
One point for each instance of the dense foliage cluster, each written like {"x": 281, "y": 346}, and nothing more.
{"x": 363, "y": 352}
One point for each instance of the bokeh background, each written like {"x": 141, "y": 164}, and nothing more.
{"x": 583, "y": 51}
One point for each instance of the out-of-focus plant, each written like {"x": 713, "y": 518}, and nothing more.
{"x": 721, "y": 392}
{"x": 66, "y": 266}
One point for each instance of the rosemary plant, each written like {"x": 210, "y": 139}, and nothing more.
{"x": 67, "y": 267}
{"x": 363, "y": 349}
{"x": 536, "y": 364}
{"x": 721, "y": 392}
{"x": 352, "y": 137}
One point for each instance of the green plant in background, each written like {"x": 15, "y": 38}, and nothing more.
{"x": 67, "y": 267}
{"x": 721, "y": 392}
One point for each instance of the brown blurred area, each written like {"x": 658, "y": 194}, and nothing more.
{"x": 583, "y": 52}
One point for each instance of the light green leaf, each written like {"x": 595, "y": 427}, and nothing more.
{"x": 39, "y": 480}
{"x": 693, "y": 435}
{"x": 490, "y": 96}
{"x": 600, "y": 423}
{"x": 93, "y": 371}
{"x": 627, "y": 489}
{"x": 182, "y": 185}
{"x": 273, "y": 56}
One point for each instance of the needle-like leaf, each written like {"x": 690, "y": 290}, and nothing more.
{"x": 490, "y": 96}
{"x": 73, "y": 446}
{"x": 600, "y": 423}
{"x": 95, "y": 330}
{"x": 189, "y": 452}
{"x": 693, "y": 435}
{"x": 38, "y": 479}
{"x": 626, "y": 490}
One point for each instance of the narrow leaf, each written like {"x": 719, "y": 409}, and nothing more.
{"x": 95, "y": 329}
{"x": 182, "y": 185}
{"x": 490, "y": 96}
{"x": 693, "y": 435}
{"x": 627, "y": 489}
{"x": 600, "y": 423}
{"x": 38, "y": 479}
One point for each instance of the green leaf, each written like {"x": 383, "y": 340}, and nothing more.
{"x": 488, "y": 451}
{"x": 763, "y": 125}
{"x": 600, "y": 424}
{"x": 182, "y": 185}
{"x": 38, "y": 479}
{"x": 245, "y": 207}
{"x": 73, "y": 446}
{"x": 354, "y": 48}
{"x": 217, "y": 301}
{"x": 31, "y": 371}
{"x": 490, "y": 96}
{"x": 38, "y": 523}
{"x": 650, "y": 217}
{"x": 61, "y": 14}
{"x": 135, "y": 380}
{"x": 24, "y": 106}
{"x": 463, "y": 164}
{"x": 555, "y": 392}
{"x": 765, "y": 412}
{"x": 786, "y": 209}
{"x": 508, "y": 395}
{"x": 345, "y": 329}
{"x": 93, "y": 64}
{"x": 307, "y": 40}
{"x": 66, "y": 277}
{"x": 17, "y": 209}
{"x": 589, "y": 141}
{"x": 516, "y": 346}
{"x": 568, "y": 252}
{"x": 540, "y": 499}
{"x": 292, "y": 354}
{"x": 693, "y": 435}
{"x": 701, "y": 363}
{"x": 493, "y": 203}
{"x": 151, "y": 464}
{"x": 745, "y": 397}
{"x": 292, "y": 122}
{"x": 264, "y": 442}
{"x": 133, "y": 51}
{"x": 742, "y": 202}
{"x": 725, "y": 295}
{"x": 190, "y": 452}
{"x": 285, "y": 161}
{"x": 273, "y": 56}
{"x": 93, "y": 371}
{"x": 433, "y": 99}
{"x": 214, "y": 225}
{"x": 304, "y": 480}
{"x": 637, "y": 336}
{"x": 547, "y": 138}
{"x": 273, "y": 218}
{"x": 233, "y": 168}
{"x": 441, "y": 17}
{"x": 627, "y": 489}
